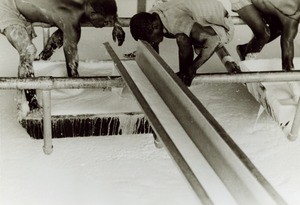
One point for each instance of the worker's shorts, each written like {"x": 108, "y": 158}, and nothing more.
{"x": 238, "y": 4}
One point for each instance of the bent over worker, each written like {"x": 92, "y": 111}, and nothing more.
{"x": 283, "y": 16}
{"x": 56, "y": 40}
{"x": 17, "y": 16}
{"x": 199, "y": 26}
{"x": 269, "y": 19}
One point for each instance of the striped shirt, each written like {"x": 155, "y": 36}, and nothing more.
{"x": 9, "y": 15}
{"x": 179, "y": 16}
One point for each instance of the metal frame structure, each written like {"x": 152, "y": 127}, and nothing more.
{"x": 202, "y": 131}
{"x": 48, "y": 83}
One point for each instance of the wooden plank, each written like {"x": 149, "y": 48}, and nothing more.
{"x": 241, "y": 177}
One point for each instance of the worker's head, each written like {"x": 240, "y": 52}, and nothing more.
{"x": 147, "y": 27}
{"x": 101, "y": 12}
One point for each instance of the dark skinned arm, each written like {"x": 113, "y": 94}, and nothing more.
{"x": 55, "y": 41}
{"x": 118, "y": 32}
{"x": 207, "y": 39}
{"x": 186, "y": 56}
{"x": 71, "y": 39}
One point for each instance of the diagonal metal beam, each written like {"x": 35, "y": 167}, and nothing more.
{"x": 246, "y": 184}
{"x": 159, "y": 128}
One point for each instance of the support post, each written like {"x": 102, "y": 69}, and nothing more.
{"x": 46, "y": 36}
{"x": 141, "y": 5}
{"x": 47, "y": 125}
{"x": 296, "y": 124}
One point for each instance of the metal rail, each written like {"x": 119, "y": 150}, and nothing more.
{"x": 124, "y": 21}
{"x": 246, "y": 184}
{"x": 160, "y": 129}
{"x": 247, "y": 77}
{"x": 48, "y": 82}
{"x": 296, "y": 124}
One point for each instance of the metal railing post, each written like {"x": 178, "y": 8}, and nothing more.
{"x": 47, "y": 125}
{"x": 296, "y": 124}
{"x": 141, "y": 5}
{"x": 46, "y": 36}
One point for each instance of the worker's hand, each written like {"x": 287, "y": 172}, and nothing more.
{"x": 130, "y": 55}
{"x": 232, "y": 67}
{"x": 118, "y": 34}
{"x": 44, "y": 55}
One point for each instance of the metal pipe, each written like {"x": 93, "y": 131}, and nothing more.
{"x": 124, "y": 21}
{"x": 46, "y": 83}
{"x": 247, "y": 77}
{"x": 296, "y": 124}
{"x": 141, "y": 6}
{"x": 47, "y": 125}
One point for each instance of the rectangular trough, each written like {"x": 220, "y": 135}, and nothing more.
{"x": 84, "y": 111}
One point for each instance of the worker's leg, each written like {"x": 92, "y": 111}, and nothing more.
{"x": 19, "y": 38}
{"x": 55, "y": 41}
{"x": 253, "y": 18}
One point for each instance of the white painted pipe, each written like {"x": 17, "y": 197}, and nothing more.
{"x": 46, "y": 83}
{"x": 124, "y": 21}
{"x": 47, "y": 124}
{"x": 247, "y": 77}
{"x": 296, "y": 124}
{"x": 46, "y": 36}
